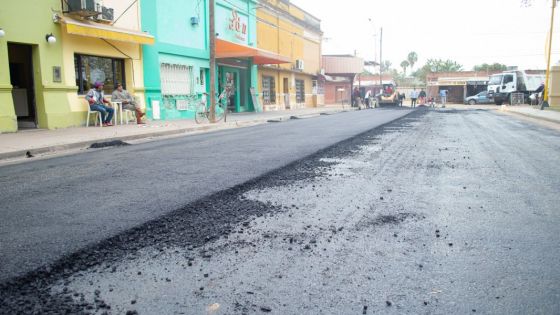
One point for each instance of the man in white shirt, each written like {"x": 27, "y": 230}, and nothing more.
{"x": 413, "y": 97}
{"x": 368, "y": 99}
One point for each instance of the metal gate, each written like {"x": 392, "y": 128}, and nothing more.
{"x": 517, "y": 98}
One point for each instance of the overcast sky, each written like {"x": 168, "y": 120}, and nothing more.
{"x": 467, "y": 31}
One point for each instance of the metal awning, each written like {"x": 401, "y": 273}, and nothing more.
{"x": 97, "y": 30}
{"x": 225, "y": 49}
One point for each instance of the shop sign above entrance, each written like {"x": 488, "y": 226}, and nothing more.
{"x": 233, "y": 25}
{"x": 237, "y": 26}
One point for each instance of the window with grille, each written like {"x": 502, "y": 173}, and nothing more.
{"x": 268, "y": 90}
{"x": 176, "y": 79}
{"x": 300, "y": 91}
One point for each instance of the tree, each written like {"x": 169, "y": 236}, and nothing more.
{"x": 490, "y": 67}
{"x": 404, "y": 65}
{"x": 412, "y": 58}
{"x": 437, "y": 65}
{"x": 386, "y": 65}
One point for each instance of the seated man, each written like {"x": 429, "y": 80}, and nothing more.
{"x": 97, "y": 101}
{"x": 389, "y": 90}
{"x": 127, "y": 101}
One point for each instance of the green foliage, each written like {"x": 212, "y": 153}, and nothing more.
{"x": 386, "y": 65}
{"x": 437, "y": 65}
{"x": 412, "y": 58}
{"x": 490, "y": 67}
{"x": 404, "y": 65}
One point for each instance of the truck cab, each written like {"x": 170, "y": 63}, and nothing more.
{"x": 502, "y": 85}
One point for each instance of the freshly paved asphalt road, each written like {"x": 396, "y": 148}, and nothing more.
{"x": 51, "y": 208}
{"x": 439, "y": 212}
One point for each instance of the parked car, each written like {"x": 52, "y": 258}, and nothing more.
{"x": 480, "y": 98}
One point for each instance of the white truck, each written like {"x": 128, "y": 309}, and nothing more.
{"x": 502, "y": 85}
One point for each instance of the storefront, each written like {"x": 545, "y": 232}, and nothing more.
{"x": 52, "y": 61}
{"x": 31, "y": 90}
{"x": 237, "y": 56}
{"x": 177, "y": 66}
{"x": 292, "y": 32}
{"x": 97, "y": 50}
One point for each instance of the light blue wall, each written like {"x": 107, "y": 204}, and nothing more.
{"x": 174, "y": 23}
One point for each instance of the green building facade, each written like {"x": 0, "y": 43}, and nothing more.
{"x": 177, "y": 66}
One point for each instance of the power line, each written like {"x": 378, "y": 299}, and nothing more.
{"x": 266, "y": 22}
{"x": 124, "y": 12}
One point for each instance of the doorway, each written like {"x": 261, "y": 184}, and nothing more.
{"x": 229, "y": 77}
{"x": 21, "y": 78}
{"x": 286, "y": 91}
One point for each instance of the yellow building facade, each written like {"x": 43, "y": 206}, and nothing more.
{"x": 289, "y": 31}
{"x": 105, "y": 51}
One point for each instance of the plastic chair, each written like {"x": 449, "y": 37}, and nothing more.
{"x": 97, "y": 114}
{"x": 126, "y": 113}
{"x": 123, "y": 112}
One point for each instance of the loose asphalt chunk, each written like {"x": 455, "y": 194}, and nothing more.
{"x": 114, "y": 143}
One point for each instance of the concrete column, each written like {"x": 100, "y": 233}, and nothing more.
{"x": 554, "y": 94}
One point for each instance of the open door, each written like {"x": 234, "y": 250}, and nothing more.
{"x": 286, "y": 91}
{"x": 21, "y": 78}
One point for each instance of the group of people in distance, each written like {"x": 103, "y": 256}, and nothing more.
{"x": 419, "y": 97}
{"x": 98, "y": 102}
{"x": 416, "y": 97}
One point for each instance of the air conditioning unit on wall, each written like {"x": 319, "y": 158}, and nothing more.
{"x": 107, "y": 15}
{"x": 299, "y": 64}
{"x": 83, "y": 8}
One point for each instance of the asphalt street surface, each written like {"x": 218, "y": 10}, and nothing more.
{"x": 438, "y": 212}
{"x": 55, "y": 207}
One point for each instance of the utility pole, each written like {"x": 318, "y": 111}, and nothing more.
{"x": 546, "y": 85}
{"x": 212, "y": 28}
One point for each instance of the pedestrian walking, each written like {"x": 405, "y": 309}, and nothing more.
{"x": 368, "y": 98}
{"x": 422, "y": 97}
{"x": 443, "y": 97}
{"x": 413, "y": 97}
{"x": 356, "y": 95}
{"x": 402, "y": 97}
{"x": 97, "y": 101}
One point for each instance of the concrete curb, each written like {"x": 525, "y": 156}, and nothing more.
{"x": 530, "y": 116}
{"x": 157, "y": 134}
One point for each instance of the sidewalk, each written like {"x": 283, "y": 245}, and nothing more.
{"x": 524, "y": 110}
{"x": 41, "y": 141}
{"x": 533, "y": 112}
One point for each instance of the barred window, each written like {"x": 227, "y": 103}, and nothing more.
{"x": 269, "y": 90}
{"x": 176, "y": 79}
{"x": 300, "y": 91}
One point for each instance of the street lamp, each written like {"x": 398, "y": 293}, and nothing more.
{"x": 50, "y": 38}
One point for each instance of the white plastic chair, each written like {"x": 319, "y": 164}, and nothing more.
{"x": 97, "y": 117}
{"x": 127, "y": 114}
{"x": 117, "y": 106}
